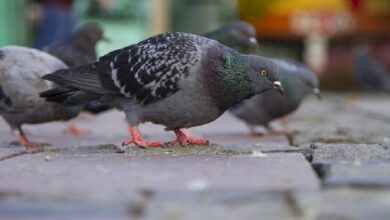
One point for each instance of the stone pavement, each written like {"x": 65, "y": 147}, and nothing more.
{"x": 335, "y": 165}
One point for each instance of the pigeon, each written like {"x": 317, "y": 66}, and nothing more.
{"x": 371, "y": 75}
{"x": 21, "y": 71}
{"x": 297, "y": 81}
{"x": 238, "y": 35}
{"x": 177, "y": 80}
{"x": 81, "y": 48}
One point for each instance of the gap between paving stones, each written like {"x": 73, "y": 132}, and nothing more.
{"x": 345, "y": 172}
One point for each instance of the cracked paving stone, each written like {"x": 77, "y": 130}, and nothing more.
{"x": 352, "y": 164}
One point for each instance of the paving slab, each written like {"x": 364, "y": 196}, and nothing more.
{"x": 374, "y": 174}
{"x": 352, "y": 164}
{"x": 339, "y": 119}
{"x": 334, "y": 153}
{"x": 379, "y": 105}
{"x": 112, "y": 176}
{"x": 331, "y": 203}
{"x": 354, "y": 203}
{"x": 220, "y": 204}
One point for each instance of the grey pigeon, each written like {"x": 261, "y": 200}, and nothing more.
{"x": 81, "y": 48}
{"x": 177, "y": 80}
{"x": 370, "y": 74}
{"x": 21, "y": 71}
{"x": 238, "y": 35}
{"x": 297, "y": 81}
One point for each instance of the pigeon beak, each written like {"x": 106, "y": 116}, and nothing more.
{"x": 253, "y": 42}
{"x": 278, "y": 87}
{"x": 316, "y": 92}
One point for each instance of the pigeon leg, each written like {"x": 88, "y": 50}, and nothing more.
{"x": 71, "y": 128}
{"x": 253, "y": 132}
{"x": 138, "y": 140}
{"x": 183, "y": 136}
{"x": 285, "y": 120}
{"x": 85, "y": 116}
{"x": 23, "y": 139}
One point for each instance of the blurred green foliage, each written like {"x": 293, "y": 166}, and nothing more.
{"x": 14, "y": 29}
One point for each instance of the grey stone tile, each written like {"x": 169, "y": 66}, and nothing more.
{"x": 339, "y": 119}
{"x": 369, "y": 174}
{"x": 354, "y": 204}
{"x": 333, "y": 153}
{"x": 220, "y": 204}
{"x": 110, "y": 176}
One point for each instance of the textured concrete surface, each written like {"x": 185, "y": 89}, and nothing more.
{"x": 112, "y": 176}
{"x": 364, "y": 174}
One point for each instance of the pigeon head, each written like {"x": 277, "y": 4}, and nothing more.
{"x": 238, "y": 35}
{"x": 243, "y": 34}
{"x": 263, "y": 75}
{"x": 297, "y": 78}
{"x": 243, "y": 76}
{"x": 88, "y": 35}
{"x": 308, "y": 81}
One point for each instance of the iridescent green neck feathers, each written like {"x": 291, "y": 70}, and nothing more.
{"x": 234, "y": 78}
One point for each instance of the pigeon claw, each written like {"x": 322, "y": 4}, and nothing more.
{"x": 30, "y": 144}
{"x": 142, "y": 143}
{"x": 25, "y": 142}
{"x": 138, "y": 140}
{"x": 183, "y": 137}
{"x": 189, "y": 141}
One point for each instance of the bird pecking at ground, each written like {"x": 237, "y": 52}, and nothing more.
{"x": 177, "y": 80}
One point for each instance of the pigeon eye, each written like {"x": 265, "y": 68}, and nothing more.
{"x": 263, "y": 73}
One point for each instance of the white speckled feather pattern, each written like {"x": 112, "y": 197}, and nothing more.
{"x": 178, "y": 80}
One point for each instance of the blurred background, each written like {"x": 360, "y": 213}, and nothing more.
{"x": 328, "y": 36}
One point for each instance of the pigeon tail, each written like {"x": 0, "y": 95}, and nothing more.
{"x": 85, "y": 78}
{"x": 68, "y": 97}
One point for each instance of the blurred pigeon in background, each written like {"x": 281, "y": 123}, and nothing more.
{"x": 81, "y": 48}
{"x": 21, "y": 71}
{"x": 297, "y": 81}
{"x": 238, "y": 35}
{"x": 174, "y": 79}
{"x": 371, "y": 75}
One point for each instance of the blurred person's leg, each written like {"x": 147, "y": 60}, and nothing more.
{"x": 56, "y": 25}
